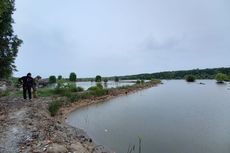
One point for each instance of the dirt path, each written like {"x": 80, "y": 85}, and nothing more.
{"x": 26, "y": 126}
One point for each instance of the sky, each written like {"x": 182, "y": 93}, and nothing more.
{"x": 121, "y": 37}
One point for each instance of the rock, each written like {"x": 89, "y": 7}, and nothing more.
{"x": 78, "y": 148}
{"x": 56, "y": 148}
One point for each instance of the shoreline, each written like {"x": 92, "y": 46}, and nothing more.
{"x": 65, "y": 111}
{"x": 27, "y": 126}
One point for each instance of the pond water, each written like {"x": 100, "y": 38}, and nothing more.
{"x": 109, "y": 84}
{"x": 176, "y": 117}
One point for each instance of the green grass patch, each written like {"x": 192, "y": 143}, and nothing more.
{"x": 45, "y": 92}
{"x": 54, "y": 106}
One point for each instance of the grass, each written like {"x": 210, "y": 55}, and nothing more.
{"x": 45, "y": 92}
{"x": 54, "y": 106}
{"x": 74, "y": 94}
{"x": 4, "y": 93}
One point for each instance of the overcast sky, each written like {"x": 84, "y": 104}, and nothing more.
{"x": 120, "y": 37}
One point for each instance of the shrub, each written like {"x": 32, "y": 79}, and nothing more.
{"x": 45, "y": 92}
{"x": 93, "y": 88}
{"x": 54, "y": 106}
{"x": 60, "y": 83}
{"x": 74, "y": 97}
{"x": 97, "y": 91}
{"x": 99, "y": 85}
{"x": 78, "y": 89}
{"x": 52, "y": 79}
{"x": 138, "y": 82}
{"x": 62, "y": 91}
{"x": 190, "y": 78}
{"x": 73, "y": 77}
{"x": 220, "y": 77}
{"x": 142, "y": 81}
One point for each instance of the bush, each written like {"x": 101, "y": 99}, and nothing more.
{"x": 138, "y": 82}
{"x": 74, "y": 97}
{"x": 142, "y": 81}
{"x": 98, "y": 91}
{"x": 45, "y": 92}
{"x": 78, "y": 89}
{"x": 73, "y": 77}
{"x": 54, "y": 106}
{"x": 52, "y": 79}
{"x": 220, "y": 77}
{"x": 190, "y": 78}
{"x": 93, "y": 88}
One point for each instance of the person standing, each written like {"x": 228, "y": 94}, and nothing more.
{"x": 35, "y": 86}
{"x": 27, "y": 83}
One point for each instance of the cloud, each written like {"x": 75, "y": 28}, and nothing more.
{"x": 151, "y": 43}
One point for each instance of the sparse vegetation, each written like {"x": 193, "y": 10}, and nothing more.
{"x": 4, "y": 93}
{"x": 54, "y": 106}
{"x": 138, "y": 82}
{"x": 220, "y": 78}
{"x": 190, "y": 78}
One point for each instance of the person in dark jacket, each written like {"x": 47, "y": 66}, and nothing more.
{"x": 27, "y": 83}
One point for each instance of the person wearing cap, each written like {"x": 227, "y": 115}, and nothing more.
{"x": 27, "y": 83}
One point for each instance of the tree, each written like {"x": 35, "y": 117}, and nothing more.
{"x": 98, "y": 78}
{"x": 59, "y": 77}
{"x": 52, "y": 79}
{"x": 116, "y": 79}
{"x": 190, "y": 78}
{"x": 73, "y": 77}
{"x": 9, "y": 42}
{"x": 220, "y": 78}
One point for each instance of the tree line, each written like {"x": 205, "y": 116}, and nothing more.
{"x": 197, "y": 73}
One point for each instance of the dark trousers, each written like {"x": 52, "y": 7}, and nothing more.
{"x": 25, "y": 90}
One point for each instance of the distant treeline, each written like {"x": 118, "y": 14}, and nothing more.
{"x": 198, "y": 73}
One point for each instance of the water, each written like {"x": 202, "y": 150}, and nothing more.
{"x": 109, "y": 84}
{"x": 176, "y": 117}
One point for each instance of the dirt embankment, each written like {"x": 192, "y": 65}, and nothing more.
{"x": 26, "y": 126}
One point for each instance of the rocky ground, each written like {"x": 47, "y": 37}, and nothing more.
{"x": 26, "y": 126}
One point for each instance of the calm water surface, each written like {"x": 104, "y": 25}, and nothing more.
{"x": 176, "y": 117}
{"x": 109, "y": 84}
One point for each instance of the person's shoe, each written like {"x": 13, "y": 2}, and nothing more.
{"x": 30, "y": 100}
